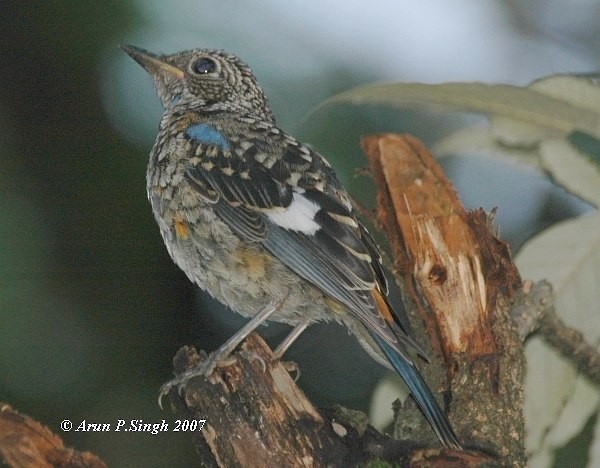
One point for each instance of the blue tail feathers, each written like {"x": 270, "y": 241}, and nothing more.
{"x": 422, "y": 394}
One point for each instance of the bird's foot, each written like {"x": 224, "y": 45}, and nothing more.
{"x": 292, "y": 368}
{"x": 205, "y": 368}
{"x": 254, "y": 356}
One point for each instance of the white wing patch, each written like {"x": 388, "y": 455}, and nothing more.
{"x": 299, "y": 216}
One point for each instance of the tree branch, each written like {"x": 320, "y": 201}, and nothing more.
{"x": 25, "y": 442}
{"x": 461, "y": 279}
{"x": 536, "y": 314}
{"x": 257, "y": 416}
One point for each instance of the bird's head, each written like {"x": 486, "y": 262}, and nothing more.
{"x": 204, "y": 79}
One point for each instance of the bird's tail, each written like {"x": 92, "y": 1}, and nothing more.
{"x": 421, "y": 393}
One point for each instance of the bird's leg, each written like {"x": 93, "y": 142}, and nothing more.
{"x": 290, "y": 366}
{"x": 214, "y": 359}
{"x": 289, "y": 340}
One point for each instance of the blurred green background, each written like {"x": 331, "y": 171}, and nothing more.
{"x": 91, "y": 307}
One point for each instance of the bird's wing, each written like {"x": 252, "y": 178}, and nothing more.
{"x": 273, "y": 190}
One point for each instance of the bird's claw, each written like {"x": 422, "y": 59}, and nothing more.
{"x": 164, "y": 390}
{"x": 254, "y": 356}
{"x": 204, "y": 369}
{"x": 292, "y": 368}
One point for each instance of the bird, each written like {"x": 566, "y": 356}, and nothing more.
{"x": 262, "y": 223}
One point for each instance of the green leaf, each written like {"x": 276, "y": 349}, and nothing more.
{"x": 541, "y": 125}
{"x": 514, "y": 102}
{"x": 572, "y": 169}
{"x": 580, "y": 90}
{"x": 481, "y": 141}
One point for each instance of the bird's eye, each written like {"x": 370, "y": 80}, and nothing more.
{"x": 204, "y": 65}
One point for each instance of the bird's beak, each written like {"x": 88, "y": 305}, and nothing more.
{"x": 151, "y": 62}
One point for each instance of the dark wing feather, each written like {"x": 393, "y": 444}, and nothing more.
{"x": 255, "y": 191}
{"x": 339, "y": 257}
{"x": 377, "y": 262}
{"x": 310, "y": 257}
{"x": 249, "y": 225}
{"x": 401, "y": 326}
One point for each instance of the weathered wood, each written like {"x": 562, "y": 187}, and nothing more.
{"x": 25, "y": 442}
{"x": 461, "y": 278}
{"x": 255, "y": 414}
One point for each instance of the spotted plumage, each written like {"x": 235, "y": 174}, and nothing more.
{"x": 250, "y": 214}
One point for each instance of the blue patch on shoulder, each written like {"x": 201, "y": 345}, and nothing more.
{"x": 207, "y": 135}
